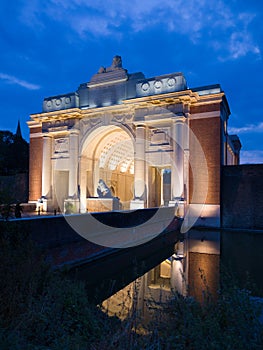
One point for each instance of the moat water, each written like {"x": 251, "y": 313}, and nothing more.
{"x": 194, "y": 269}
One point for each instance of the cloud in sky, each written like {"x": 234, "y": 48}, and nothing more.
{"x": 214, "y": 22}
{"x": 241, "y": 44}
{"x": 57, "y": 44}
{"x": 250, "y": 128}
{"x": 251, "y": 157}
{"x": 13, "y": 80}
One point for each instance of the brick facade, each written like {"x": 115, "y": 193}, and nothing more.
{"x": 136, "y": 127}
{"x": 35, "y": 168}
{"x": 242, "y": 196}
{"x": 208, "y": 133}
{"x": 205, "y": 108}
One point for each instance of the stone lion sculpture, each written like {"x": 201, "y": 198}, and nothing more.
{"x": 103, "y": 190}
{"x": 102, "y": 70}
{"x": 116, "y": 62}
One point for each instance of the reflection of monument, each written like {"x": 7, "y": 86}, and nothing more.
{"x": 136, "y": 134}
{"x": 193, "y": 270}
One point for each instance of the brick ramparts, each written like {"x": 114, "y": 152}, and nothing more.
{"x": 242, "y": 196}
{"x": 14, "y": 188}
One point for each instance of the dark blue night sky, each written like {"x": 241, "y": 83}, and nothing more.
{"x": 50, "y": 47}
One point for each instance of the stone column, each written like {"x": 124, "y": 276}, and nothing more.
{"x": 71, "y": 205}
{"x": 177, "y": 166}
{"x": 73, "y": 166}
{"x": 46, "y": 167}
{"x": 83, "y": 184}
{"x": 96, "y": 176}
{"x": 139, "y": 169}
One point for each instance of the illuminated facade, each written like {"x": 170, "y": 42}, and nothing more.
{"x": 154, "y": 142}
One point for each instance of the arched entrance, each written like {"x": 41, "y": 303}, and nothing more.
{"x": 107, "y": 154}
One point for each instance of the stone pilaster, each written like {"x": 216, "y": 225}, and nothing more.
{"x": 46, "y": 167}
{"x": 177, "y": 169}
{"x": 139, "y": 169}
{"x": 72, "y": 203}
{"x": 83, "y": 184}
{"x": 73, "y": 166}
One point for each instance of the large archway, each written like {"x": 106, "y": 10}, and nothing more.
{"x": 107, "y": 154}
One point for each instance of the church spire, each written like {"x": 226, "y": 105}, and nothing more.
{"x": 18, "y": 130}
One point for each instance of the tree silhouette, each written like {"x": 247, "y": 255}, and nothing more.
{"x": 14, "y": 153}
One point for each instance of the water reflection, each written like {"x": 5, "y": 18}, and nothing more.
{"x": 192, "y": 270}
{"x": 203, "y": 263}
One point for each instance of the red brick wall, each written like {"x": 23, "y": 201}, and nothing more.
{"x": 35, "y": 167}
{"x": 208, "y": 133}
{"x": 205, "y": 108}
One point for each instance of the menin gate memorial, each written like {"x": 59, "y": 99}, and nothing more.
{"x": 152, "y": 141}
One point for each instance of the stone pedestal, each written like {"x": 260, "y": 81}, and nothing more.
{"x": 44, "y": 205}
{"x": 102, "y": 204}
{"x": 137, "y": 204}
{"x": 39, "y": 206}
{"x": 71, "y": 206}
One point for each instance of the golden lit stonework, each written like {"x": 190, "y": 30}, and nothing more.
{"x": 152, "y": 142}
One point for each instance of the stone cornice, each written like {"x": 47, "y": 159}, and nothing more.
{"x": 33, "y": 124}
{"x": 106, "y": 83}
{"x": 104, "y": 110}
{"x": 209, "y": 99}
{"x": 185, "y": 96}
{"x": 61, "y": 114}
{"x": 203, "y": 115}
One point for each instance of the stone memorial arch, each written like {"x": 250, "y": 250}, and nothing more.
{"x": 123, "y": 141}
{"x": 107, "y": 154}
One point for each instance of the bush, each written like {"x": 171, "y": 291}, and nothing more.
{"x": 40, "y": 308}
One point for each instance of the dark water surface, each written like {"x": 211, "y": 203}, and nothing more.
{"x": 195, "y": 268}
{"x": 193, "y": 265}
